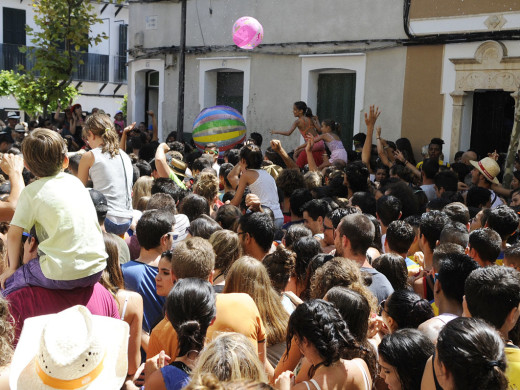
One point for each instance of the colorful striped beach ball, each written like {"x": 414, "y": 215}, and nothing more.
{"x": 221, "y": 125}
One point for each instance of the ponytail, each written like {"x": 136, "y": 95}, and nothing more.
{"x": 335, "y": 127}
{"x": 303, "y": 106}
{"x": 190, "y": 337}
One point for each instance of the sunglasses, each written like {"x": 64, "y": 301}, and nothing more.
{"x": 211, "y": 152}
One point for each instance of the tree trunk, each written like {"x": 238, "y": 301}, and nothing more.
{"x": 45, "y": 109}
{"x": 513, "y": 144}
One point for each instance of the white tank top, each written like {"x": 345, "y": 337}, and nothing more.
{"x": 108, "y": 177}
{"x": 265, "y": 188}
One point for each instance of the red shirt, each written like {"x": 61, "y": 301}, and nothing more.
{"x": 36, "y": 301}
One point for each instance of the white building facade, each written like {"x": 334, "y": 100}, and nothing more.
{"x": 340, "y": 56}
{"x": 101, "y": 80}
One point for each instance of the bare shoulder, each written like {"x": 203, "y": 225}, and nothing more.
{"x": 133, "y": 300}
{"x": 355, "y": 377}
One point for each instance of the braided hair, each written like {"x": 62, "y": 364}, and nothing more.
{"x": 321, "y": 324}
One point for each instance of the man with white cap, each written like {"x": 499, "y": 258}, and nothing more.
{"x": 484, "y": 174}
{"x": 19, "y": 133}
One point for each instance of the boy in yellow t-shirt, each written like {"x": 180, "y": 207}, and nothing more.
{"x": 71, "y": 250}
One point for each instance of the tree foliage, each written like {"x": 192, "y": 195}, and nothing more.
{"x": 32, "y": 94}
{"x": 62, "y": 33}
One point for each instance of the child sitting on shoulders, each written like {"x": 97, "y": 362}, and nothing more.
{"x": 71, "y": 251}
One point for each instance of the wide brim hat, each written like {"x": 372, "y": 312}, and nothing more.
{"x": 72, "y": 349}
{"x": 178, "y": 166}
{"x": 489, "y": 169}
{"x": 274, "y": 170}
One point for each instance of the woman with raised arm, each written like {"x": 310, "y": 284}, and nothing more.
{"x": 370, "y": 121}
{"x": 249, "y": 173}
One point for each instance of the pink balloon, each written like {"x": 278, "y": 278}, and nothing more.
{"x": 247, "y": 33}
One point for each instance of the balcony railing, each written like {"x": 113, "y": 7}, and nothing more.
{"x": 95, "y": 67}
{"x": 120, "y": 69}
{"x": 11, "y": 58}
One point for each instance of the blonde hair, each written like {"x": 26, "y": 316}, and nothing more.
{"x": 6, "y": 333}
{"x": 340, "y": 272}
{"x": 248, "y": 275}
{"x": 210, "y": 382}
{"x": 230, "y": 357}
{"x": 226, "y": 245}
{"x": 102, "y": 126}
{"x": 207, "y": 186}
{"x": 142, "y": 187}
{"x": 44, "y": 151}
{"x": 312, "y": 180}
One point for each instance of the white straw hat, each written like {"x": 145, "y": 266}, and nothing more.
{"x": 71, "y": 350}
{"x": 488, "y": 167}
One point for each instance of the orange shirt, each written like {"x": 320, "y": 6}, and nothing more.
{"x": 236, "y": 312}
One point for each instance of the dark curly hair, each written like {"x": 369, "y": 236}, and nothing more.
{"x": 280, "y": 266}
{"x": 321, "y": 324}
{"x": 305, "y": 248}
{"x": 290, "y": 180}
{"x": 407, "y": 309}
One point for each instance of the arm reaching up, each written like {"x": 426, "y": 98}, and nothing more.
{"x": 276, "y": 145}
{"x": 370, "y": 121}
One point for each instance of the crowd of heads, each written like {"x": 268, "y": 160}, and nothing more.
{"x": 410, "y": 269}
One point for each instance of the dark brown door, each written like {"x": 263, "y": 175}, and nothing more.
{"x": 493, "y": 113}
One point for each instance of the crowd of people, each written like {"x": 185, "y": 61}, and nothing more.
{"x": 130, "y": 263}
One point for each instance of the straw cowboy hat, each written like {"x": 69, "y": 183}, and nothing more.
{"x": 71, "y": 350}
{"x": 488, "y": 167}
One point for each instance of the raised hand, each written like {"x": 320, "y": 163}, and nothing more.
{"x": 276, "y": 145}
{"x": 129, "y": 128}
{"x": 399, "y": 156}
{"x": 371, "y": 117}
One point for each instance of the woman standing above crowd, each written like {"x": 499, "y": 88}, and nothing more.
{"x": 110, "y": 170}
{"x": 307, "y": 127}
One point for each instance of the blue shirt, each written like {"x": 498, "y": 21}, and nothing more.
{"x": 140, "y": 277}
{"x": 174, "y": 378}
